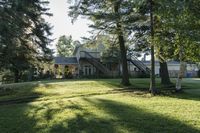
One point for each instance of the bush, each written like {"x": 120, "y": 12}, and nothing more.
{"x": 8, "y": 78}
{"x": 198, "y": 73}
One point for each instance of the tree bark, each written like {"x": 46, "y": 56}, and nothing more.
{"x": 125, "y": 75}
{"x": 180, "y": 76}
{"x": 16, "y": 74}
{"x": 181, "y": 70}
{"x": 164, "y": 74}
{"x": 152, "y": 88}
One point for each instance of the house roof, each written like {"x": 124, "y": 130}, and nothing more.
{"x": 157, "y": 62}
{"x": 65, "y": 60}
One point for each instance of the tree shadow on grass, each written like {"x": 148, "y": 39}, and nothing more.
{"x": 18, "y": 93}
{"x": 187, "y": 94}
{"x": 23, "y": 92}
{"x": 121, "y": 118}
{"x": 115, "y": 85}
{"x": 14, "y": 120}
{"x": 140, "y": 87}
{"x": 134, "y": 119}
{"x": 85, "y": 123}
{"x": 117, "y": 117}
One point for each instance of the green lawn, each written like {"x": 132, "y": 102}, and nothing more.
{"x": 98, "y": 106}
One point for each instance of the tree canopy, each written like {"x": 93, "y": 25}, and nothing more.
{"x": 24, "y": 34}
{"x": 65, "y": 45}
{"x": 113, "y": 17}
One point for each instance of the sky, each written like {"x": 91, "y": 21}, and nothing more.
{"x": 61, "y": 22}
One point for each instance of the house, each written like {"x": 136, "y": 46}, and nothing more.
{"x": 87, "y": 62}
{"x": 66, "y": 66}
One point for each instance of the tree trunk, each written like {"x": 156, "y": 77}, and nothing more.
{"x": 164, "y": 74}
{"x": 180, "y": 76}
{"x": 125, "y": 75}
{"x": 181, "y": 70}
{"x": 16, "y": 74}
{"x": 152, "y": 88}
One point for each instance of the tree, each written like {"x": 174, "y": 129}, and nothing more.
{"x": 152, "y": 75}
{"x": 111, "y": 54}
{"x": 160, "y": 43}
{"x": 113, "y": 17}
{"x": 143, "y": 39}
{"x": 65, "y": 45}
{"x": 23, "y": 35}
{"x": 179, "y": 31}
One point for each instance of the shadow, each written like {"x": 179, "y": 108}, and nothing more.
{"x": 114, "y": 117}
{"x": 67, "y": 115}
{"x": 18, "y": 93}
{"x": 186, "y": 94}
{"x": 24, "y": 92}
{"x": 85, "y": 123}
{"x": 134, "y": 119}
{"x": 13, "y": 119}
{"x": 140, "y": 87}
{"x": 115, "y": 84}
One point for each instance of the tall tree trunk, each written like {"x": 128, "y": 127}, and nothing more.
{"x": 164, "y": 74}
{"x": 180, "y": 76}
{"x": 152, "y": 88}
{"x": 16, "y": 74}
{"x": 125, "y": 75}
{"x": 182, "y": 69}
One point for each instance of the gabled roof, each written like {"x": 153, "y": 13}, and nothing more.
{"x": 65, "y": 60}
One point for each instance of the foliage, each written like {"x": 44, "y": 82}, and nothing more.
{"x": 110, "y": 50}
{"x": 114, "y": 18}
{"x": 111, "y": 54}
{"x": 23, "y": 35}
{"x": 65, "y": 45}
{"x": 177, "y": 25}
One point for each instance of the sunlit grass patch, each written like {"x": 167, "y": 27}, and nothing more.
{"x": 100, "y": 106}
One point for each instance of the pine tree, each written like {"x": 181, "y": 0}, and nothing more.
{"x": 65, "y": 46}
{"x": 112, "y": 17}
{"x": 24, "y": 35}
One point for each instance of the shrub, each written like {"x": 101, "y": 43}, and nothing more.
{"x": 199, "y": 73}
{"x": 8, "y": 78}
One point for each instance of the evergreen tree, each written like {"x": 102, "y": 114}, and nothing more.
{"x": 65, "y": 45}
{"x": 113, "y": 17}
{"x": 152, "y": 74}
{"x": 24, "y": 35}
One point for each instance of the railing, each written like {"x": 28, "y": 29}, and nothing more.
{"x": 96, "y": 63}
{"x": 93, "y": 54}
{"x": 139, "y": 64}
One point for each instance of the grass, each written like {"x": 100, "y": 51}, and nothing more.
{"x": 99, "y": 106}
